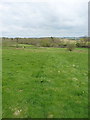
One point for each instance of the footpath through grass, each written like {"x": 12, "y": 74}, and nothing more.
{"x": 45, "y": 83}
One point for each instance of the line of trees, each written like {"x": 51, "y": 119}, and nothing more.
{"x": 47, "y": 42}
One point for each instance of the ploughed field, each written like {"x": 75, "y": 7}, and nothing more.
{"x": 45, "y": 83}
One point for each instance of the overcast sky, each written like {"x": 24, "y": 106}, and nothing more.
{"x": 42, "y": 18}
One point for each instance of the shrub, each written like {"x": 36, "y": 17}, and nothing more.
{"x": 45, "y": 43}
{"x": 83, "y": 42}
{"x": 78, "y": 44}
{"x": 70, "y": 47}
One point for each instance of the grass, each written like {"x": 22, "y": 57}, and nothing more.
{"x": 45, "y": 83}
{"x": 25, "y": 45}
{"x": 0, "y": 81}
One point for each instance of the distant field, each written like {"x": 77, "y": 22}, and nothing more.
{"x": 45, "y": 83}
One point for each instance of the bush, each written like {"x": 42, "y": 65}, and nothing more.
{"x": 70, "y": 47}
{"x": 78, "y": 44}
{"x": 45, "y": 43}
{"x": 84, "y": 42}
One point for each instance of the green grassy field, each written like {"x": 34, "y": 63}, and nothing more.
{"x": 0, "y": 81}
{"x": 45, "y": 83}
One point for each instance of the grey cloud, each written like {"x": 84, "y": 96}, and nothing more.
{"x": 44, "y": 19}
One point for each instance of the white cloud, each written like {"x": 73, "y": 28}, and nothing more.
{"x": 44, "y": 18}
